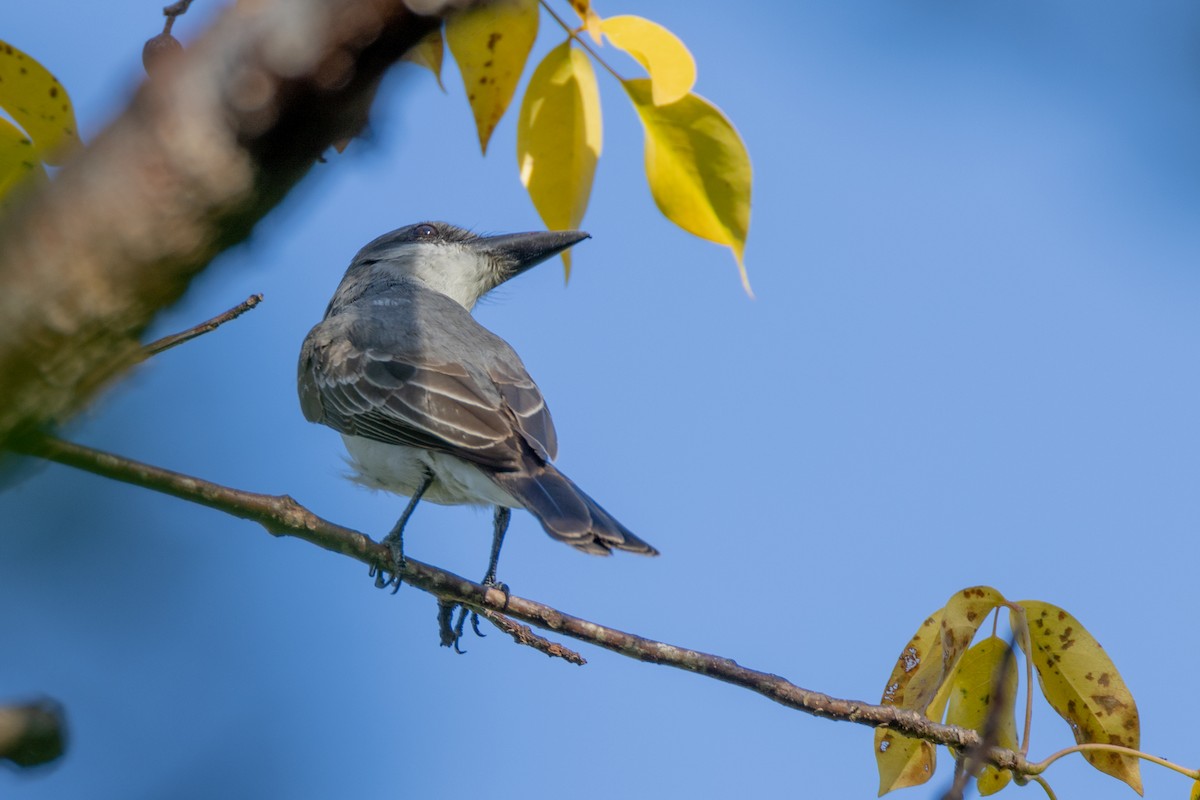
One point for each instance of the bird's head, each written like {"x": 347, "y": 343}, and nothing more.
{"x": 460, "y": 264}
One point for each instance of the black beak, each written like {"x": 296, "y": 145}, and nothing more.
{"x": 513, "y": 253}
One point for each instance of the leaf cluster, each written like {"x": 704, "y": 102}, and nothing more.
{"x": 696, "y": 163}
{"x": 940, "y": 674}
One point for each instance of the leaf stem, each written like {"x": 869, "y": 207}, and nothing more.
{"x": 1040, "y": 781}
{"x": 1027, "y": 649}
{"x": 574, "y": 34}
{"x": 1041, "y": 766}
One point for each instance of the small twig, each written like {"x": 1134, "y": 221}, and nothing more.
{"x": 167, "y": 342}
{"x": 582, "y": 42}
{"x": 523, "y": 634}
{"x": 172, "y": 11}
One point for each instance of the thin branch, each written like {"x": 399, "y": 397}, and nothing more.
{"x": 574, "y": 34}
{"x": 522, "y": 634}
{"x": 283, "y": 516}
{"x": 173, "y": 11}
{"x": 167, "y": 342}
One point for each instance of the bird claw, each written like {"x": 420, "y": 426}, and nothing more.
{"x": 385, "y": 578}
{"x": 451, "y": 630}
{"x": 491, "y": 583}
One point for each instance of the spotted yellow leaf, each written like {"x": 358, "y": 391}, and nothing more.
{"x": 921, "y": 681}
{"x": 491, "y": 43}
{"x": 698, "y": 168}
{"x": 973, "y": 701}
{"x": 591, "y": 20}
{"x": 18, "y": 161}
{"x": 965, "y": 612}
{"x": 429, "y": 53}
{"x": 38, "y": 103}
{"x": 1082, "y": 684}
{"x": 665, "y": 58}
{"x": 902, "y": 760}
{"x": 914, "y": 684}
{"x": 559, "y": 138}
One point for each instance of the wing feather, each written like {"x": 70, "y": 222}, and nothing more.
{"x": 491, "y": 414}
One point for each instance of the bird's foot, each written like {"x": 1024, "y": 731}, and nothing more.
{"x": 384, "y": 578}
{"x": 451, "y": 629}
{"x": 490, "y": 582}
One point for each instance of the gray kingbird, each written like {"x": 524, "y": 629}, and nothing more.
{"x": 430, "y": 404}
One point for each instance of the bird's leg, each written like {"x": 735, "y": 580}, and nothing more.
{"x": 451, "y": 629}
{"x": 500, "y": 527}
{"x": 394, "y": 541}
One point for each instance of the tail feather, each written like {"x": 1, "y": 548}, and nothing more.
{"x": 568, "y": 514}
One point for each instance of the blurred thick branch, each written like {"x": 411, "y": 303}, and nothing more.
{"x": 283, "y": 516}
{"x": 203, "y": 151}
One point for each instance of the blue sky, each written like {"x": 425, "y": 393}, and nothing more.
{"x": 970, "y": 360}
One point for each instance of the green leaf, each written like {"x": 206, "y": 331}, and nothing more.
{"x": 559, "y": 138}
{"x": 38, "y": 103}
{"x": 697, "y": 167}
{"x": 665, "y": 58}
{"x": 491, "y": 43}
{"x": 1082, "y": 684}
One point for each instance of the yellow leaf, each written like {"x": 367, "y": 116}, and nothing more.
{"x": 902, "y": 761}
{"x": 34, "y": 98}
{"x": 1082, "y": 684}
{"x": 491, "y": 43}
{"x": 972, "y": 699}
{"x": 921, "y": 681}
{"x": 965, "y": 612}
{"x": 428, "y": 53}
{"x": 665, "y": 58}
{"x": 591, "y": 20}
{"x": 917, "y": 676}
{"x": 913, "y": 684}
{"x": 1195, "y": 795}
{"x": 559, "y": 138}
{"x": 18, "y": 160}
{"x": 698, "y": 169}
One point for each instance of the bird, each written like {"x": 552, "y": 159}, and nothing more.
{"x": 433, "y": 406}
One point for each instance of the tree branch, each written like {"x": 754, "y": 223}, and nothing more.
{"x": 283, "y": 516}
{"x": 176, "y": 339}
{"x": 204, "y": 150}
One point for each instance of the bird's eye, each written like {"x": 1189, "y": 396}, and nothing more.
{"x": 426, "y": 231}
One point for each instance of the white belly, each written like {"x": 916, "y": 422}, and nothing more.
{"x": 401, "y": 469}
